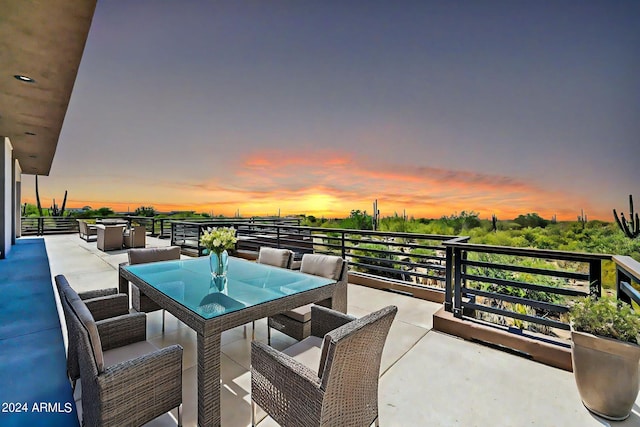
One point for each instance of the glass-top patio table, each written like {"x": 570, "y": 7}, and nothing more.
{"x": 252, "y": 291}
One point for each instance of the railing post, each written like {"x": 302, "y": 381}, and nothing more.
{"x": 343, "y": 248}
{"x": 448, "y": 287}
{"x": 621, "y": 276}
{"x": 40, "y": 226}
{"x": 278, "y": 236}
{"x": 595, "y": 278}
{"x": 457, "y": 284}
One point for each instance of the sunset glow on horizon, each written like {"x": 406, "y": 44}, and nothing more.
{"x": 320, "y": 108}
{"x": 331, "y": 184}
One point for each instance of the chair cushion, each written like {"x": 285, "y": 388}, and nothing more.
{"x": 300, "y": 314}
{"x": 329, "y": 266}
{"x": 86, "y": 319}
{"x": 128, "y": 352}
{"x": 144, "y": 255}
{"x": 308, "y": 352}
{"x": 276, "y": 257}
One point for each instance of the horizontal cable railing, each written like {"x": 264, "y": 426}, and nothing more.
{"x": 521, "y": 288}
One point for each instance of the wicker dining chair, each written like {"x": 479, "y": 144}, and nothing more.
{"x": 332, "y": 381}
{"x": 296, "y": 323}
{"x": 282, "y": 258}
{"x": 103, "y": 304}
{"x": 277, "y": 257}
{"x": 139, "y": 300}
{"x": 118, "y": 392}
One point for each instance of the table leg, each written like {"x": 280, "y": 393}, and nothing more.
{"x": 209, "y": 380}
{"x": 123, "y": 284}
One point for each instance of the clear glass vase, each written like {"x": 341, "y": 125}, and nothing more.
{"x": 219, "y": 263}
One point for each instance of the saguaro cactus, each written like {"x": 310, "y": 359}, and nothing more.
{"x": 53, "y": 211}
{"x": 631, "y": 227}
{"x": 54, "y": 208}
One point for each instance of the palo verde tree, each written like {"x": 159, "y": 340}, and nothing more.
{"x": 630, "y": 227}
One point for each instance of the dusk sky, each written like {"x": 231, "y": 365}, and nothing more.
{"x": 320, "y": 107}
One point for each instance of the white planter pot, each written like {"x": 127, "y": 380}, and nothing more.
{"x": 607, "y": 374}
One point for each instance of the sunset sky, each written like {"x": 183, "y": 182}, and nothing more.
{"x": 320, "y": 107}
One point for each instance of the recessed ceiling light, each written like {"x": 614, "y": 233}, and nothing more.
{"x": 29, "y": 133}
{"x": 23, "y": 78}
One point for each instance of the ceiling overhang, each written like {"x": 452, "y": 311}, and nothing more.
{"x": 44, "y": 40}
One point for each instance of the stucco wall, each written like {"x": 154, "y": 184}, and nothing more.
{"x": 17, "y": 199}
{"x": 6, "y": 194}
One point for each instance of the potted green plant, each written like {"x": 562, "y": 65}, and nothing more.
{"x": 606, "y": 355}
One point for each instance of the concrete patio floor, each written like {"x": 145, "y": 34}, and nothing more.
{"x": 427, "y": 378}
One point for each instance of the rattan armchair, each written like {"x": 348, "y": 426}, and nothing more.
{"x": 110, "y": 237}
{"x": 103, "y": 304}
{"x": 118, "y": 392}
{"x": 135, "y": 237}
{"x": 86, "y": 231}
{"x": 334, "y": 379}
{"x": 296, "y": 323}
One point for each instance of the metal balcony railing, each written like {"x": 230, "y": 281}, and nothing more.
{"x": 627, "y": 272}
{"x": 526, "y": 291}
{"x": 403, "y": 258}
{"x": 520, "y": 288}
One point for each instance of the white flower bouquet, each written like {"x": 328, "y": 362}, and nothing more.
{"x": 219, "y": 239}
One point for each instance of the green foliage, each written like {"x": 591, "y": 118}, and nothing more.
{"x": 148, "y": 211}
{"x": 381, "y": 260}
{"x": 462, "y": 222}
{"x": 30, "y": 210}
{"x": 606, "y": 317}
{"x": 357, "y": 220}
{"x": 531, "y": 220}
{"x": 395, "y": 224}
{"x": 497, "y": 273}
{"x": 421, "y": 251}
{"x": 309, "y": 221}
{"x": 90, "y": 213}
{"x": 104, "y": 211}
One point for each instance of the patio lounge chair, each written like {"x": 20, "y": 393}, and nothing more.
{"x": 296, "y": 323}
{"x": 117, "y": 389}
{"x": 110, "y": 237}
{"x": 102, "y": 303}
{"x": 332, "y": 378}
